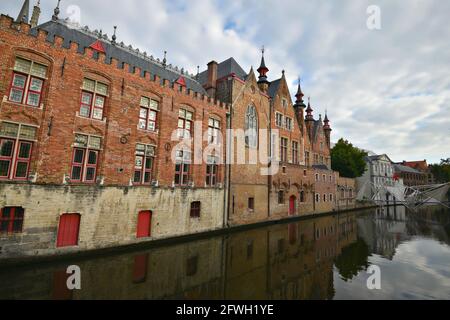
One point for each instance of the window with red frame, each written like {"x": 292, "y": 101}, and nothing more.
{"x": 294, "y": 152}
{"x": 148, "y": 114}
{"x": 213, "y": 131}
{"x": 144, "y": 160}
{"x": 11, "y": 220}
{"x": 185, "y": 121}
{"x": 212, "y": 171}
{"x": 27, "y": 82}
{"x": 196, "y": 209}
{"x": 182, "y": 168}
{"x": 85, "y": 158}
{"x": 284, "y": 149}
{"x": 16, "y": 146}
{"x": 93, "y": 97}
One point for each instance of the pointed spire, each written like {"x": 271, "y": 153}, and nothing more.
{"x": 56, "y": 12}
{"x": 326, "y": 122}
{"x": 114, "y": 37}
{"x": 24, "y": 12}
{"x": 35, "y": 16}
{"x": 299, "y": 96}
{"x": 164, "y": 62}
{"x": 309, "y": 111}
{"x": 262, "y": 70}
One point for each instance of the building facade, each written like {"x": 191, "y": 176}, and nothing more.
{"x": 96, "y": 147}
{"x": 380, "y": 172}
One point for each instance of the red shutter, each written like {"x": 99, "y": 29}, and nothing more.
{"x": 69, "y": 227}
{"x": 140, "y": 268}
{"x": 144, "y": 224}
{"x": 60, "y": 290}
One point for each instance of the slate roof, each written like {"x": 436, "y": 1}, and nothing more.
{"x": 273, "y": 87}
{"x": 85, "y": 38}
{"x": 224, "y": 69}
{"x": 320, "y": 167}
{"x": 402, "y": 168}
{"x": 376, "y": 158}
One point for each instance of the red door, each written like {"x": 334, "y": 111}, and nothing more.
{"x": 68, "y": 231}
{"x": 292, "y": 208}
{"x": 140, "y": 268}
{"x": 144, "y": 225}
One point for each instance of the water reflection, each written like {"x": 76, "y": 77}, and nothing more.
{"x": 323, "y": 258}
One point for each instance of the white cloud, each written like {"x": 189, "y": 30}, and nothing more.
{"x": 386, "y": 90}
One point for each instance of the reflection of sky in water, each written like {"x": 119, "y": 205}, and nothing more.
{"x": 420, "y": 269}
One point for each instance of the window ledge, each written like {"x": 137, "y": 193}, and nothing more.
{"x": 5, "y": 100}
{"x": 148, "y": 131}
{"x": 77, "y": 114}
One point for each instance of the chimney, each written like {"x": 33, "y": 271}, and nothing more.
{"x": 35, "y": 16}
{"x": 211, "y": 84}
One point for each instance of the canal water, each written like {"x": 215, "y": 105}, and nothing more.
{"x": 321, "y": 258}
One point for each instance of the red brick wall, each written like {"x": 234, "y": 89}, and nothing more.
{"x": 61, "y": 102}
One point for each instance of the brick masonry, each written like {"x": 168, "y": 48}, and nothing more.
{"x": 110, "y": 206}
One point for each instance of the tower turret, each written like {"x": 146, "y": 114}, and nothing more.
{"x": 327, "y": 129}
{"x": 263, "y": 83}
{"x": 299, "y": 105}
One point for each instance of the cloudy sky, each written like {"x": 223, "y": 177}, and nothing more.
{"x": 385, "y": 90}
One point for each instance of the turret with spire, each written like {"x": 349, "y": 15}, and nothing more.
{"x": 327, "y": 129}
{"x": 299, "y": 105}
{"x": 35, "y": 16}
{"x": 263, "y": 83}
{"x": 24, "y": 12}
{"x": 56, "y": 12}
{"x": 309, "y": 119}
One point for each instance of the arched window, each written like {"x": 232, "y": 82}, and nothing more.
{"x": 302, "y": 196}
{"x": 251, "y": 127}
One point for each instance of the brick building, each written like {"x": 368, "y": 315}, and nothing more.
{"x": 95, "y": 148}
{"x": 293, "y": 146}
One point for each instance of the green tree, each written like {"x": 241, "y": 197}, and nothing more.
{"x": 348, "y": 160}
{"x": 441, "y": 171}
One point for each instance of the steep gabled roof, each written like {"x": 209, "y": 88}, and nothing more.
{"x": 273, "y": 88}
{"x": 86, "y": 38}
{"x": 377, "y": 158}
{"x": 225, "y": 68}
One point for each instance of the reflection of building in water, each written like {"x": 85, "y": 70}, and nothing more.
{"x": 384, "y": 233}
{"x": 292, "y": 261}
{"x": 395, "y": 225}
{"x": 301, "y": 257}
{"x": 188, "y": 271}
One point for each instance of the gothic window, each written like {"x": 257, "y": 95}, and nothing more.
{"x": 85, "y": 158}
{"x": 93, "y": 98}
{"x": 144, "y": 160}
{"x": 148, "y": 114}
{"x": 28, "y": 82}
{"x": 251, "y": 127}
{"x": 16, "y": 145}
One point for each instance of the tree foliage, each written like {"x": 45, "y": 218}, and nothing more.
{"x": 348, "y": 160}
{"x": 441, "y": 171}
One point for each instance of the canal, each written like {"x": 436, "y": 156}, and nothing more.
{"x": 321, "y": 258}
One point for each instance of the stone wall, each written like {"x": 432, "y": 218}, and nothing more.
{"x": 108, "y": 215}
